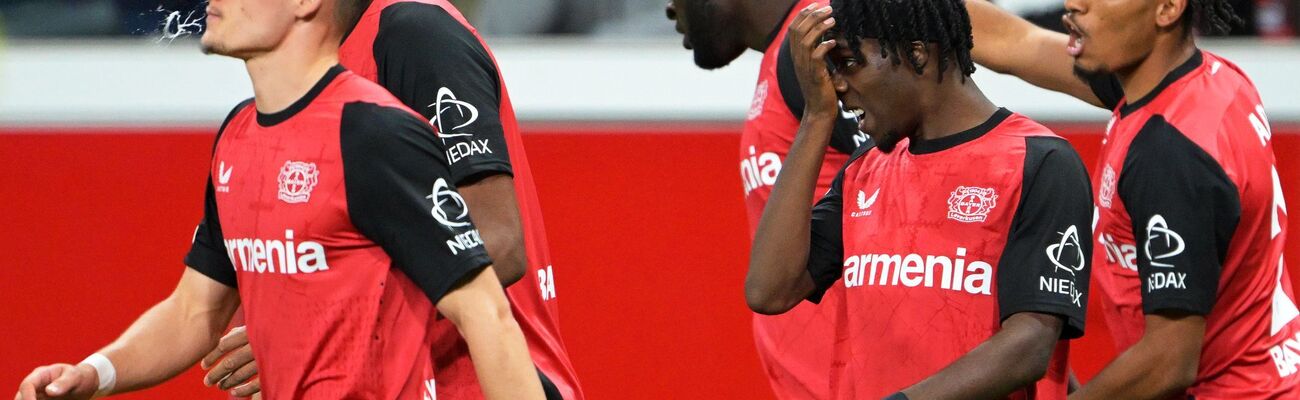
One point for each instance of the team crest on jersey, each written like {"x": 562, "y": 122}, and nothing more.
{"x": 297, "y": 179}
{"x": 971, "y": 204}
{"x": 1107, "y": 187}
{"x": 760, "y": 97}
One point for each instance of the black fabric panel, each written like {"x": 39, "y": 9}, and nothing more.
{"x": 1107, "y": 88}
{"x": 1184, "y": 210}
{"x": 845, "y": 136}
{"x": 400, "y": 197}
{"x": 437, "y": 67}
{"x": 548, "y": 387}
{"x": 1044, "y": 267}
{"x": 826, "y": 250}
{"x": 208, "y": 254}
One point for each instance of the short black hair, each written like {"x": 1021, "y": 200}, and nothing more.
{"x": 898, "y": 23}
{"x": 1211, "y": 17}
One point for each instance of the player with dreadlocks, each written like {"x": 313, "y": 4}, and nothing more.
{"x": 1190, "y": 213}
{"x": 959, "y": 246}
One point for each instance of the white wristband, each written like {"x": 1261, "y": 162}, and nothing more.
{"x": 107, "y": 373}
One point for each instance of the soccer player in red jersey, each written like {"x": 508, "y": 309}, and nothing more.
{"x": 795, "y": 347}
{"x": 1191, "y": 220}
{"x": 962, "y": 244}
{"x": 430, "y": 58}
{"x": 330, "y": 214}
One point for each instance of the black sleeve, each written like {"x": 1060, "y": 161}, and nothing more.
{"x": 1184, "y": 209}
{"x": 208, "y": 254}
{"x": 399, "y": 196}
{"x": 826, "y": 250}
{"x": 1107, "y": 88}
{"x": 845, "y": 138}
{"x": 437, "y": 67}
{"x": 1044, "y": 267}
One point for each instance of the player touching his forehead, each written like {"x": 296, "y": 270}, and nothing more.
{"x": 329, "y": 214}
{"x": 958, "y": 232}
{"x": 795, "y": 347}
{"x": 1191, "y": 221}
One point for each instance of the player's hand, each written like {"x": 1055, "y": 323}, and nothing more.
{"x": 808, "y": 51}
{"x": 237, "y": 370}
{"x": 59, "y": 381}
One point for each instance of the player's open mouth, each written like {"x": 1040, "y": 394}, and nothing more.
{"x": 1075, "y": 44}
{"x": 857, "y": 112}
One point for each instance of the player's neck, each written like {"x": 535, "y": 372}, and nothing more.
{"x": 1140, "y": 80}
{"x": 760, "y": 19}
{"x": 284, "y": 75}
{"x": 953, "y": 108}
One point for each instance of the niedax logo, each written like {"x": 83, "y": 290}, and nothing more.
{"x": 865, "y": 203}
{"x": 450, "y": 114}
{"x": 448, "y": 202}
{"x": 1162, "y": 243}
{"x": 297, "y": 179}
{"x": 971, "y": 204}
{"x": 1066, "y": 254}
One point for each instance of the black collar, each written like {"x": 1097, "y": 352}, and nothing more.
{"x": 779, "y": 26}
{"x": 269, "y": 120}
{"x": 921, "y": 146}
{"x": 1182, "y": 70}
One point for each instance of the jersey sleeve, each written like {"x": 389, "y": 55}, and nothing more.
{"x": 437, "y": 67}
{"x": 399, "y": 195}
{"x": 845, "y": 136}
{"x": 1044, "y": 267}
{"x": 826, "y": 250}
{"x": 1107, "y": 88}
{"x": 208, "y": 254}
{"x": 1184, "y": 210}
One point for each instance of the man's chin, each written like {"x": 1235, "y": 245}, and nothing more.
{"x": 1089, "y": 73}
{"x": 710, "y": 62}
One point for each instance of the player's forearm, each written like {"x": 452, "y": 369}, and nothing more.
{"x": 495, "y": 211}
{"x": 166, "y": 340}
{"x": 1017, "y": 356}
{"x": 777, "y": 277}
{"x": 1151, "y": 369}
{"x": 998, "y": 36}
{"x": 481, "y": 313}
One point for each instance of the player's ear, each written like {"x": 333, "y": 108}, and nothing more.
{"x": 919, "y": 55}
{"x": 309, "y": 9}
{"x": 1169, "y": 12}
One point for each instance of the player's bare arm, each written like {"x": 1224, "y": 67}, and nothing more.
{"x": 777, "y": 278}
{"x": 1011, "y": 45}
{"x": 481, "y": 313}
{"x": 1163, "y": 363}
{"x": 1015, "y": 357}
{"x": 187, "y": 323}
{"x": 493, "y": 208}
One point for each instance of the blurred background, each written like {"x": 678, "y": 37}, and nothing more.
{"x": 108, "y": 111}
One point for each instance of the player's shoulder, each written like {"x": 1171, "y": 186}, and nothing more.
{"x": 421, "y": 17}
{"x": 241, "y": 110}
{"x": 1018, "y": 125}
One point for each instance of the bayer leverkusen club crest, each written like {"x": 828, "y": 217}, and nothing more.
{"x": 971, "y": 204}
{"x": 297, "y": 179}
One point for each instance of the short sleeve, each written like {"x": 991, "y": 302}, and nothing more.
{"x": 1184, "y": 210}
{"x": 1044, "y": 267}
{"x": 826, "y": 250}
{"x": 208, "y": 254}
{"x": 437, "y": 67}
{"x": 399, "y": 195}
{"x": 845, "y": 136}
{"x": 1107, "y": 88}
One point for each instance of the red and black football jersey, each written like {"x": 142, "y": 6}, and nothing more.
{"x": 338, "y": 222}
{"x": 1191, "y": 219}
{"x": 795, "y": 347}
{"x": 431, "y": 59}
{"x": 939, "y": 241}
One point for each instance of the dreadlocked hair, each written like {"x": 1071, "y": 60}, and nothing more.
{"x": 1211, "y": 17}
{"x": 898, "y": 23}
